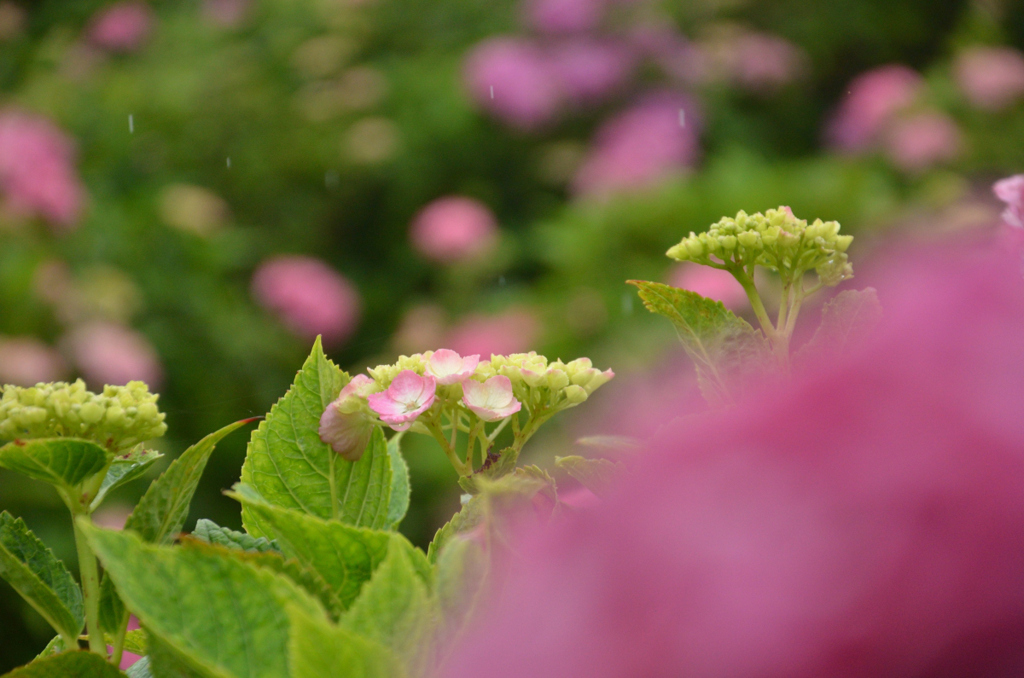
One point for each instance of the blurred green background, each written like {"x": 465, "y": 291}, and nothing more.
{"x": 191, "y": 190}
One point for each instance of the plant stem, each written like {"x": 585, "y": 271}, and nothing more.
{"x": 122, "y": 631}
{"x": 90, "y": 588}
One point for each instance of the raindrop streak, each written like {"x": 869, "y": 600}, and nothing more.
{"x": 492, "y": 91}
{"x": 627, "y": 303}
{"x": 682, "y": 118}
{"x": 131, "y": 124}
{"x": 501, "y": 281}
{"x": 229, "y": 162}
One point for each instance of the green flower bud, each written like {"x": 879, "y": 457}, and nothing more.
{"x": 575, "y": 394}
{"x": 557, "y": 379}
{"x": 693, "y": 247}
{"x": 842, "y": 242}
{"x": 728, "y": 242}
{"x": 751, "y": 239}
{"x": 92, "y": 412}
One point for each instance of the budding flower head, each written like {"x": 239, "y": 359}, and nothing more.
{"x": 776, "y": 240}
{"x": 118, "y": 418}
{"x": 408, "y": 396}
{"x": 346, "y": 425}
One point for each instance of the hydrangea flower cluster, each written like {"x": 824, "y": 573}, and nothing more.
{"x": 441, "y": 393}
{"x": 119, "y": 418}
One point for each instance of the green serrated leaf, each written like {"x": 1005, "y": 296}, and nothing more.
{"x": 64, "y": 462}
{"x": 125, "y": 469}
{"x": 395, "y": 609}
{"x": 594, "y": 474}
{"x": 845, "y": 320}
{"x": 721, "y": 345}
{"x": 288, "y": 464}
{"x": 164, "y": 661}
{"x": 341, "y": 556}
{"x": 225, "y": 616}
{"x": 469, "y": 517}
{"x": 75, "y": 664}
{"x": 400, "y": 490}
{"x": 322, "y": 650}
{"x": 55, "y": 646}
{"x": 40, "y": 578}
{"x": 212, "y": 533}
{"x": 462, "y": 570}
{"x": 135, "y": 641}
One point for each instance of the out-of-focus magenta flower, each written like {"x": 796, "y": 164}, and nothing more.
{"x": 309, "y": 297}
{"x": 25, "y": 361}
{"x": 454, "y": 229}
{"x": 421, "y": 328}
{"x": 709, "y": 282}
{"x": 917, "y": 142}
{"x": 345, "y": 425}
{"x": 122, "y": 27}
{"x": 588, "y": 70}
{"x": 564, "y": 16}
{"x": 37, "y": 174}
{"x": 991, "y": 77}
{"x": 225, "y": 13}
{"x": 491, "y": 400}
{"x": 1011, "y": 191}
{"x": 448, "y": 367}
{"x": 871, "y": 101}
{"x": 107, "y": 353}
{"x": 866, "y": 521}
{"x": 763, "y": 61}
{"x": 524, "y": 86}
{"x": 641, "y": 145}
{"x": 408, "y": 396}
{"x": 513, "y": 331}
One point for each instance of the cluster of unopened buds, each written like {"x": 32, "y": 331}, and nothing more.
{"x": 118, "y": 418}
{"x": 442, "y": 394}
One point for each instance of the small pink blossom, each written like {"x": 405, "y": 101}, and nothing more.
{"x": 916, "y": 143}
{"x": 345, "y": 425}
{"x": 226, "y": 13}
{"x": 454, "y": 229}
{"x": 25, "y": 361}
{"x": 588, "y": 70}
{"x": 871, "y": 101}
{"x": 513, "y": 331}
{"x": 525, "y": 88}
{"x": 564, "y": 16}
{"x": 409, "y": 396}
{"x": 762, "y": 61}
{"x": 710, "y": 282}
{"x": 491, "y": 400}
{"x": 107, "y": 353}
{"x": 122, "y": 27}
{"x": 992, "y": 78}
{"x": 37, "y": 174}
{"x": 641, "y": 145}
{"x": 309, "y": 297}
{"x": 448, "y": 367}
{"x": 1011, "y": 191}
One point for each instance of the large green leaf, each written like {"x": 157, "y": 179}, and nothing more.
{"x": 77, "y": 664}
{"x": 322, "y": 650}
{"x": 343, "y": 557}
{"x": 462, "y": 569}
{"x": 722, "y": 346}
{"x": 846, "y": 319}
{"x": 212, "y": 533}
{"x": 471, "y": 515}
{"x": 400, "y": 490}
{"x": 124, "y": 469}
{"x": 594, "y": 474}
{"x": 396, "y": 610}
{"x": 64, "y": 462}
{"x": 225, "y": 616}
{"x": 39, "y": 577}
{"x": 290, "y": 466}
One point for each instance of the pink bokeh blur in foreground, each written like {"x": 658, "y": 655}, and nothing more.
{"x": 867, "y": 520}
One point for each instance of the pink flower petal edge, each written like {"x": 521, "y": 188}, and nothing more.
{"x": 491, "y": 400}
{"x": 448, "y": 367}
{"x": 409, "y": 396}
{"x": 1011, "y": 191}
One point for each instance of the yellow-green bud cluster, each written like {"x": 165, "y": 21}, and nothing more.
{"x": 776, "y": 240}
{"x": 383, "y": 375}
{"x": 117, "y": 419}
{"x": 538, "y": 383}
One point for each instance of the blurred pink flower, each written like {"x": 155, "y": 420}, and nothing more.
{"x": 589, "y": 70}
{"x": 513, "y": 331}
{"x": 524, "y": 86}
{"x": 26, "y": 361}
{"x": 991, "y": 77}
{"x": 917, "y": 142}
{"x": 107, "y": 353}
{"x": 763, "y": 61}
{"x": 1011, "y": 191}
{"x": 454, "y": 228}
{"x": 226, "y": 13}
{"x": 491, "y": 400}
{"x": 871, "y": 101}
{"x": 345, "y": 425}
{"x": 309, "y": 296}
{"x": 641, "y": 145}
{"x": 408, "y": 396}
{"x": 448, "y": 367}
{"x": 564, "y": 16}
{"x": 866, "y": 521}
{"x": 37, "y": 174}
{"x": 711, "y": 283}
{"x": 122, "y": 27}
{"x": 421, "y": 328}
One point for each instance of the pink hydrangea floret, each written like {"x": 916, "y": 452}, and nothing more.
{"x": 408, "y": 396}
{"x": 510, "y": 78}
{"x": 991, "y": 78}
{"x": 454, "y": 228}
{"x": 491, "y": 400}
{"x": 1011, "y": 191}
{"x": 448, "y": 367}
{"x": 345, "y": 425}
{"x": 872, "y": 100}
{"x": 122, "y": 27}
